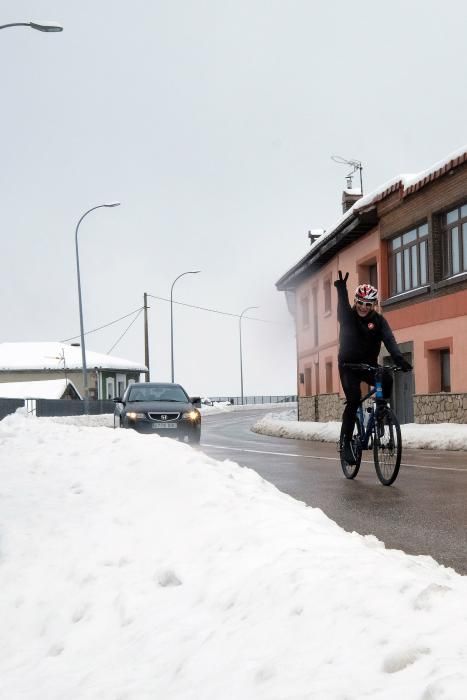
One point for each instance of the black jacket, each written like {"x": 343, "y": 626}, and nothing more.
{"x": 360, "y": 338}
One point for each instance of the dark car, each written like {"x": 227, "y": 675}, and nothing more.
{"x": 165, "y": 409}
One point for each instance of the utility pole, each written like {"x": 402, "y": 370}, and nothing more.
{"x": 240, "y": 335}
{"x": 146, "y": 337}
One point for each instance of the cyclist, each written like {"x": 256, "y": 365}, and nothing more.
{"x": 362, "y": 330}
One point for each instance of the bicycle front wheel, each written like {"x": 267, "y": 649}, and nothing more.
{"x": 351, "y": 470}
{"x": 387, "y": 447}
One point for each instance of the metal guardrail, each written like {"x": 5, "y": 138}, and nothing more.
{"x": 254, "y": 400}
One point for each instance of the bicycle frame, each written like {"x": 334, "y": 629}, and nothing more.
{"x": 366, "y": 432}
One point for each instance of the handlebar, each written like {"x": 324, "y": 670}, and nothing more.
{"x": 371, "y": 368}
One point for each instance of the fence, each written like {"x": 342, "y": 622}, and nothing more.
{"x": 8, "y": 406}
{"x": 65, "y": 407}
{"x": 55, "y": 407}
{"x": 253, "y": 400}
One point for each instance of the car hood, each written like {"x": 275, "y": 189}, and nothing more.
{"x": 158, "y": 406}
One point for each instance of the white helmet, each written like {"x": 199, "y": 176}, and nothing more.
{"x": 366, "y": 292}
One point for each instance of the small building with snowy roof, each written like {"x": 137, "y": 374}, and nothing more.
{"x": 41, "y": 389}
{"x": 108, "y": 376}
{"x": 408, "y": 238}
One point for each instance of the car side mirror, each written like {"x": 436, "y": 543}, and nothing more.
{"x": 117, "y": 399}
{"x": 196, "y": 401}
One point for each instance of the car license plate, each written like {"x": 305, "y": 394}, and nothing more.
{"x": 156, "y": 426}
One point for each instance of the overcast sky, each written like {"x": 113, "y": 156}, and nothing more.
{"x": 213, "y": 123}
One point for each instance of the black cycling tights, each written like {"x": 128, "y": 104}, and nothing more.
{"x": 351, "y": 379}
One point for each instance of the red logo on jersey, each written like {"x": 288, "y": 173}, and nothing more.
{"x": 371, "y": 326}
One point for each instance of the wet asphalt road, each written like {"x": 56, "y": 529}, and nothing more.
{"x": 424, "y": 512}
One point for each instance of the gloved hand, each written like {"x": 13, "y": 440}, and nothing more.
{"x": 403, "y": 364}
{"x": 341, "y": 282}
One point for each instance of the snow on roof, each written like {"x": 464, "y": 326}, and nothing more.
{"x": 406, "y": 182}
{"x": 367, "y": 200}
{"x": 422, "y": 178}
{"x": 51, "y": 355}
{"x": 354, "y": 191}
{"x": 47, "y": 389}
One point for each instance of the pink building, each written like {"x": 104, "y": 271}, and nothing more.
{"x": 409, "y": 239}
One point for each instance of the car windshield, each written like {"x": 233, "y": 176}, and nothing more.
{"x": 157, "y": 393}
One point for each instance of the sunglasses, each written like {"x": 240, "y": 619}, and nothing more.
{"x": 365, "y": 304}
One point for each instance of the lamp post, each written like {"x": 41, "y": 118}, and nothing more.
{"x": 40, "y": 26}
{"x": 81, "y": 325}
{"x": 189, "y": 272}
{"x": 240, "y": 334}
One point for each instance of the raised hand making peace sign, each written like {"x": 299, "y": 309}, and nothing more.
{"x": 341, "y": 281}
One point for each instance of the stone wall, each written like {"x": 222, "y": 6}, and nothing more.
{"x": 428, "y": 408}
{"x": 440, "y": 408}
{"x": 321, "y": 408}
{"x": 330, "y": 407}
{"x": 307, "y": 408}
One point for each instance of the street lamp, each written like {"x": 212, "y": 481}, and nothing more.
{"x": 83, "y": 349}
{"x": 240, "y": 330}
{"x": 40, "y": 26}
{"x": 190, "y": 272}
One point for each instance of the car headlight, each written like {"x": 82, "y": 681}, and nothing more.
{"x": 132, "y": 415}
{"x": 192, "y": 415}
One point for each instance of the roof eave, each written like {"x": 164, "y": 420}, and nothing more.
{"x": 350, "y": 230}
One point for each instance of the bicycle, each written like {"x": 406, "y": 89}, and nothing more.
{"x": 382, "y": 432}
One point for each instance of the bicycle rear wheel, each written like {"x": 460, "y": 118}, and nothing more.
{"x": 351, "y": 470}
{"x": 387, "y": 447}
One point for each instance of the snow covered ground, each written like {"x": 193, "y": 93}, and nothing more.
{"x": 135, "y": 567}
{"x": 438, "y": 436}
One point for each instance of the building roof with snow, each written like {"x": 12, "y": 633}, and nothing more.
{"x": 362, "y": 216}
{"x": 58, "y": 356}
{"x": 42, "y": 389}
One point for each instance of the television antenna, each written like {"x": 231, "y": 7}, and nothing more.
{"x": 355, "y": 165}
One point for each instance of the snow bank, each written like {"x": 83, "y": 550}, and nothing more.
{"x": 438, "y": 436}
{"x": 135, "y": 567}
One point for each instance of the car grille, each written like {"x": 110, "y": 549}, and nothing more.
{"x": 163, "y": 417}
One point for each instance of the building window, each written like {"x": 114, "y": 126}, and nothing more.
{"x": 445, "y": 369}
{"x": 315, "y": 317}
{"x": 305, "y": 312}
{"x": 121, "y": 380}
{"x": 328, "y": 377}
{"x": 454, "y": 241}
{"x": 109, "y": 388}
{"x": 373, "y": 275}
{"x": 307, "y": 381}
{"x": 327, "y": 296}
{"x": 408, "y": 260}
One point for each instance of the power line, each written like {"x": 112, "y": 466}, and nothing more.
{"x": 126, "y": 331}
{"x": 214, "y": 311}
{"x": 94, "y": 330}
{"x": 180, "y": 303}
